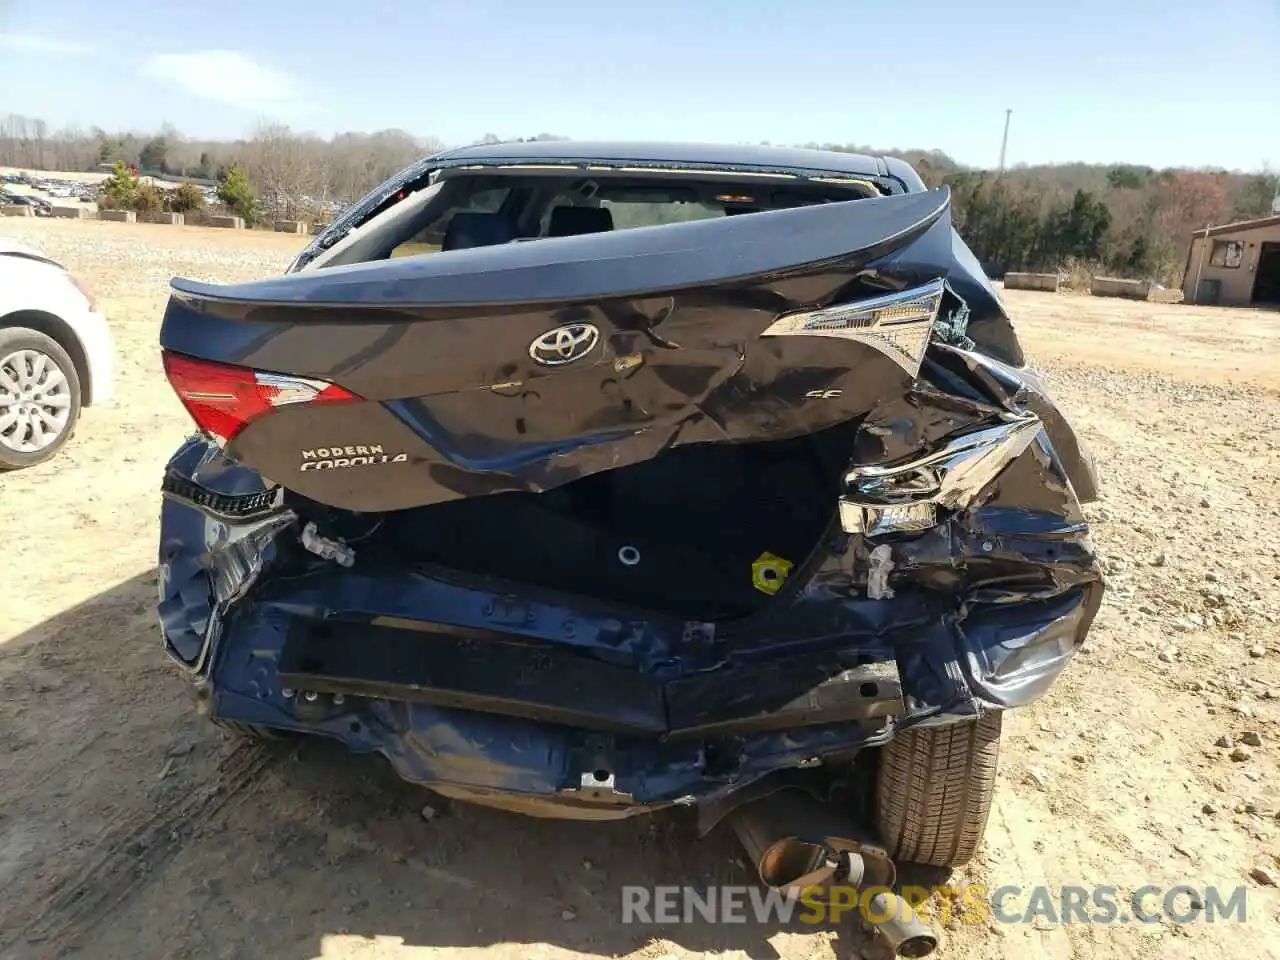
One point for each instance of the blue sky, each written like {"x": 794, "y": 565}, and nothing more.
{"x": 1168, "y": 83}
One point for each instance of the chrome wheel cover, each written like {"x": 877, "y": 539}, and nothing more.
{"x": 35, "y": 401}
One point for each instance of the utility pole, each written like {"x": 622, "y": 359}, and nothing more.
{"x": 1004, "y": 143}
{"x": 1204, "y": 252}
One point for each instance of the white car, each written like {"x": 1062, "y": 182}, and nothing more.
{"x": 56, "y": 355}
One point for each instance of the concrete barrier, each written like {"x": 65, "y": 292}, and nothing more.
{"x": 72, "y": 213}
{"x": 230, "y": 223}
{"x": 292, "y": 226}
{"x": 174, "y": 219}
{"x": 13, "y": 210}
{"x": 1116, "y": 287}
{"x": 1047, "y": 282}
{"x": 118, "y": 216}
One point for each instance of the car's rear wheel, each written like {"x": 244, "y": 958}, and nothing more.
{"x": 39, "y": 398}
{"x": 934, "y": 788}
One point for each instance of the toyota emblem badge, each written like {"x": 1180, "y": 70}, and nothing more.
{"x": 564, "y": 344}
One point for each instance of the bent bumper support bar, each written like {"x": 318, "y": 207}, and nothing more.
{"x": 514, "y": 677}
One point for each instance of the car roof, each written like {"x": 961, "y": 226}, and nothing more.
{"x": 728, "y": 155}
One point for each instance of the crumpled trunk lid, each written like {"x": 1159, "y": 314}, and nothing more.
{"x": 526, "y": 366}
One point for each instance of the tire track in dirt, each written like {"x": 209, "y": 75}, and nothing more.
{"x": 136, "y": 847}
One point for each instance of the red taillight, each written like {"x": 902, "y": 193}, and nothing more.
{"x": 222, "y": 399}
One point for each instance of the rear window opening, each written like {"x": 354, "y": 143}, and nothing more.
{"x": 465, "y": 210}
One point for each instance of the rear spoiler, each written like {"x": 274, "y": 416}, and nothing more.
{"x": 626, "y": 263}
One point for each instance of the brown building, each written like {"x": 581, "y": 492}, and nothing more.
{"x": 1234, "y": 265}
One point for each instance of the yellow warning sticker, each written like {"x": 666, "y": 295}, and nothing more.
{"x": 769, "y": 573}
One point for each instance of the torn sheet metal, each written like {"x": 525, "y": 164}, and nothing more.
{"x": 956, "y": 574}
{"x": 980, "y": 610}
{"x": 879, "y": 566}
{"x": 327, "y": 548}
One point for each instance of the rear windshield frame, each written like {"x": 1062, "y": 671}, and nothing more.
{"x": 433, "y": 169}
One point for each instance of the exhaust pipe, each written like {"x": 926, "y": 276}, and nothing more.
{"x": 902, "y": 928}
{"x": 797, "y": 843}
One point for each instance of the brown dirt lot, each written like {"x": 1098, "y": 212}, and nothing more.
{"x": 130, "y": 828}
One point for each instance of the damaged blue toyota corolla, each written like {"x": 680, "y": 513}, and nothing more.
{"x": 588, "y": 479}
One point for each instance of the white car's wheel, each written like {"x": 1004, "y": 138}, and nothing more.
{"x": 39, "y": 398}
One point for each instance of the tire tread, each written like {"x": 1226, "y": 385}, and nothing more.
{"x": 934, "y": 789}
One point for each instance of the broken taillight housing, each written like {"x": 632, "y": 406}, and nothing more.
{"x": 898, "y": 324}
{"x": 223, "y": 398}
{"x": 906, "y": 496}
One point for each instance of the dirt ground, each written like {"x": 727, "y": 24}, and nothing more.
{"x": 130, "y": 828}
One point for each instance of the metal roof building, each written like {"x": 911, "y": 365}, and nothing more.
{"x": 1234, "y": 265}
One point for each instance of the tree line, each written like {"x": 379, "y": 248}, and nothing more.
{"x": 292, "y": 172}
{"x": 1119, "y": 219}
{"x": 1125, "y": 220}
{"x": 1137, "y": 223}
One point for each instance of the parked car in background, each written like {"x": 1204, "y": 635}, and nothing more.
{"x": 584, "y": 480}
{"x": 39, "y": 206}
{"x": 56, "y": 355}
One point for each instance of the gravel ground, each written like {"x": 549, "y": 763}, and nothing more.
{"x": 130, "y": 828}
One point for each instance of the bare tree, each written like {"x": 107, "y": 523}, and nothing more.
{"x": 39, "y": 130}
{"x": 283, "y": 165}
{"x": 295, "y": 173}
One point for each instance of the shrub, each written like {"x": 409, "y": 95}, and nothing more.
{"x": 147, "y": 198}
{"x": 186, "y": 199}
{"x": 238, "y": 194}
{"x": 1076, "y": 274}
{"x": 118, "y": 189}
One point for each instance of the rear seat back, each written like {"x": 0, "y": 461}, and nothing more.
{"x": 467, "y": 229}
{"x": 573, "y": 221}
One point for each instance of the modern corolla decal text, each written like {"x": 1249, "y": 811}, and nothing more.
{"x": 355, "y": 455}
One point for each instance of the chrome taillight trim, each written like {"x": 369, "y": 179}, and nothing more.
{"x": 896, "y": 324}
{"x": 290, "y": 389}
{"x": 905, "y": 496}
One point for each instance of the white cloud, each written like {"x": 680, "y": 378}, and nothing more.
{"x": 34, "y": 43}
{"x": 228, "y": 76}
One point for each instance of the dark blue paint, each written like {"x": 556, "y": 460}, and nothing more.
{"x": 1015, "y": 573}
{"x": 1001, "y": 576}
